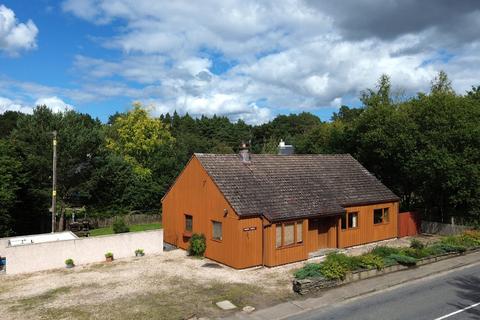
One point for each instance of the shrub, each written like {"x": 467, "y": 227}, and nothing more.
{"x": 371, "y": 261}
{"x": 69, "y": 262}
{"x": 403, "y": 260}
{"x": 139, "y": 251}
{"x": 333, "y": 269}
{"x": 309, "y": 270}
{"x": 383, "y": 251}
{"x": 348, "y": 263}
{"x": 108, "y": 255}
{"x": 197, "y": 245}
{"x": 448, "y": 247}
{"x": 416, "y": 244}
{"x": 119, "y": 225}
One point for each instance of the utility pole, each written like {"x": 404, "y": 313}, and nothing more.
{"x": 54, "y": 180}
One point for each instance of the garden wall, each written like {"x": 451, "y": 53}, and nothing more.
{"x": 442, "y": 229}
{"x": 51, "y": 255}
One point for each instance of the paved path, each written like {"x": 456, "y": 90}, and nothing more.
{"x": 378, "y": 287}
{"x": 452, "y": 296}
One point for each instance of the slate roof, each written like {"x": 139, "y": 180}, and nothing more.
{"x": 283, "y": 187}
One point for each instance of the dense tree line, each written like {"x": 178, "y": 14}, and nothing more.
{"x": 426, "y": 148}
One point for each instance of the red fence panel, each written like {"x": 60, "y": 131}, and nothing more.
{"x": 408, "y": 224}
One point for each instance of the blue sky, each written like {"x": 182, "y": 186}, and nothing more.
{"x": 243, "y": 59}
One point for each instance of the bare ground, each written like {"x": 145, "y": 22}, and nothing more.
{"x": 167, "y": 286}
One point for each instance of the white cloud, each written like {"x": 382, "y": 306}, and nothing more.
{"x": 16, "y": 36}
{"x": 294, "y": 55}
{"x": 9, "y": 105}
{"x": 54, "y": 103}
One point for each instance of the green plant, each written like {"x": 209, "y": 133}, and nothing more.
{"x": 349, "y": 263}
{"x": 402, "y": 259}
{"x": 119, "y": 225}
{"x": 371, "y": 261}
{"x": 383, "y": 251}
{"x": 69, "y": 262}
{"x": 333, "y": 269}
{"x": 197, "y": 245}
{"x": 416, "y": 244}
{"x": 309, "y": 270}
{"x": 108, "y": 255}
{"x": 139, "y": 252}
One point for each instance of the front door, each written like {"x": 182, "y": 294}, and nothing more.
{"x": 323, "y": 228}
{"x": 321, "y": 233}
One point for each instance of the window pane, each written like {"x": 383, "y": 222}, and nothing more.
{"x": 299, "y": 232}
{"x": 217, "y": 230}
{"x": 289, "y": 234}
{"x": 188, "y": 223}
{"x": 344, "y": 222}
{"x": 377, "y": 216}
{"x": 353, "y": 219}
{"x": 278, "y": 232}
{"x": 385, "y": 215}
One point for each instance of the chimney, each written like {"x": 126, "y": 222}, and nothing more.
{"x": 285, "y": 149}
{"x": 244, "y": 153}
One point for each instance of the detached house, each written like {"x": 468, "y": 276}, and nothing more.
{"x": 275, "y": 209}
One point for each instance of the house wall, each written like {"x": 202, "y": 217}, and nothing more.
{"x": 278, "y": 256}
{"x": 194, "y": 193}
{"x": 51, "y": 255}
{"x": 367, "y": 231}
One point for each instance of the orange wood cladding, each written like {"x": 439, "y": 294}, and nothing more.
{"x": 194, "y": 193}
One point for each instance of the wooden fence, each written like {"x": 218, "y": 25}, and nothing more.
{"x": 408, "y": 224}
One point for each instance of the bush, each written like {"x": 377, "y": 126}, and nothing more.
{"x": 197, "y": 245}
{"x": 348, "y": 263}
{"x": 309, "y": 270}
{"x": 108, "y": 255}
{"x": 333, "y": 269}
{"x": 69, "y": 262}
{"x": 139, "y": 252}
{"x": 403, "y": 260}
{"x": 383, "y": 251}
{"x": 119, "y": 225}
{"x": 447, "y": 247}
{"x": 371, "y": 261}
{"x": 416, "y": 244}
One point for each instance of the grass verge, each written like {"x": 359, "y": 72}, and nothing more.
{"x": 133, "y": 228}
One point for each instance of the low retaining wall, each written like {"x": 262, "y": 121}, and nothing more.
{"x": 442, "y": 229}
{"x": 305, "y": 286}
{"x": 51, "y": 255}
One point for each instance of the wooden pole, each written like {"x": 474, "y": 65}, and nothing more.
{"x": 54, "y": 180}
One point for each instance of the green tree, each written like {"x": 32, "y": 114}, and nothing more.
{"x": 10, "y": 182}
{"x": 135, "y": 136}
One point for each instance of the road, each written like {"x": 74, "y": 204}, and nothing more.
{"x": 453, "y": 296}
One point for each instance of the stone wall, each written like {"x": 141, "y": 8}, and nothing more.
{"x": 306, "y": 286}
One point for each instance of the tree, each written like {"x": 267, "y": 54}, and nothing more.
{"x": 441, "y": 84}
{"x": 135, "y": 136}
{"x": 10, "y": 182}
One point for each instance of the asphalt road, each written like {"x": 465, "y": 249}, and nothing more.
{"x": 436, "y": 298}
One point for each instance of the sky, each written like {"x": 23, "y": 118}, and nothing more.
{"x": 249, "y": 60}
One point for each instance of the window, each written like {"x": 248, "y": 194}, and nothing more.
{"x": 278, "y": 232}
{"x": 381, "y": 216}
{"x": 188, "y": 223}
{"x": 289, "y": 234}
{"x": 385, "y": 215}
{"x": 352, "y": 220}
{"x": 217, "y": 230}
{"x": 344, "y": 222}
{"x": 299, "y": 232}
{"x": 349, "y": 220}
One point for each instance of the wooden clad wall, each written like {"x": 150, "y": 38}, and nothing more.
{"x": 194, "y": 193}
{"x": 367, "y": 231}
{"x": 278, "y": 256}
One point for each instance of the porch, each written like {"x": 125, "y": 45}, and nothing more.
{"x": 322, "y": 236}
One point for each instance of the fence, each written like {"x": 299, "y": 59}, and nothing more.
{"x": 408, "y": 224}
{"x": 51, "y": 255}
{"x": 129, "y": 219}
{"x": 442, "y": 228}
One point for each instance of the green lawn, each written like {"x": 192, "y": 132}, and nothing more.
{"x": 133, "y": 228}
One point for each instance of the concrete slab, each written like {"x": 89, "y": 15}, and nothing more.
{"x": 226, "y": 305}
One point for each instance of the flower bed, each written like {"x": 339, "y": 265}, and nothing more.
{"x": 339, "y": 268}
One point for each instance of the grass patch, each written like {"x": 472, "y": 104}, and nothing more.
{"x": 133, "y": 228}
{"x": 34, "y": 302}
